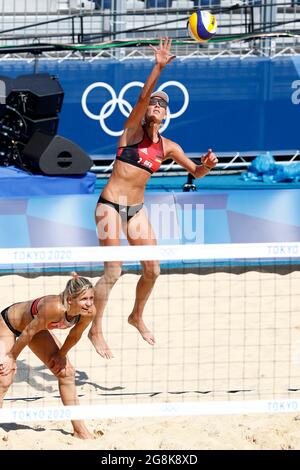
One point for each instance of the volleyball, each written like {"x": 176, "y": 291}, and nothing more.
{"x": 202, "y": 25}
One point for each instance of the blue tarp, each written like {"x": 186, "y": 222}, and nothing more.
{"x": 265, "y": 168}
{"x": 15, "y": 182}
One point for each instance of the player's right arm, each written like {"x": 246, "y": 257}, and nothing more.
{"x": 8, "y": 362}
{"x": 48, "y": 312}
{"x": 163, "y": 57}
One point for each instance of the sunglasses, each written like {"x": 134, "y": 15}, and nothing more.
{"x": 161, "y": 102}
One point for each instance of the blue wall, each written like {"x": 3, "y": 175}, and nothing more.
{"x": 220, "y": 216}
{"x": 234, "y": 105}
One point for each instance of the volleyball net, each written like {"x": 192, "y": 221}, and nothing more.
{"x": 225, "y": 320}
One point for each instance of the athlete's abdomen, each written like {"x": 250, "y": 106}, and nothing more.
{"x": 126, "y": 181}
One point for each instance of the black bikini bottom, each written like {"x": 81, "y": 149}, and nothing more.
{"x": 126, "y": 212}
{"x": 4, "y": 314}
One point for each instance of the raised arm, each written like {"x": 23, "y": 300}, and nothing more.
{"x": 163, "y": 57}
{"x": 208, "y": 161}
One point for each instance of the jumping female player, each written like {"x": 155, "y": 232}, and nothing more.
{"x": 32, "y": 322}
{"x": 141, "y": 150}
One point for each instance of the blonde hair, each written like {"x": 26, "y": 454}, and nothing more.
{"x": 75, "y": 287}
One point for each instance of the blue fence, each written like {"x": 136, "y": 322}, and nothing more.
{"x": 226, "y": 104}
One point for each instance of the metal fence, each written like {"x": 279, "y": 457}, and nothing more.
{"x": 267, "y": 27}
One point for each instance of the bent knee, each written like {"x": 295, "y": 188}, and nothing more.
{"x": 151, "y": 269}
{"x": 5, "y": 383}
{"x": 67, "y": 374}
{"x": 112, "y": 273}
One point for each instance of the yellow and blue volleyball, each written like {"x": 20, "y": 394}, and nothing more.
{"x": 202, "y": 25}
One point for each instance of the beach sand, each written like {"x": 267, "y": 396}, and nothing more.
{"x": 219, "y": 337}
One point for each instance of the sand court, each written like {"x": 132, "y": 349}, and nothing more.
{"x": 219, "y": 337}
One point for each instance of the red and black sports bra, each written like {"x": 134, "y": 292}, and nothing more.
{"x": 62, "y": 324}
{"x": 146, "y": 154}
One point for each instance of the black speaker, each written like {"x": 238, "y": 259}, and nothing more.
{"x": 47, "y": 124}
{"x": 36, "y": 95}
{"x": 55, "y": 155}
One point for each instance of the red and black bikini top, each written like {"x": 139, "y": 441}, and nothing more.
{"x": 146, "y": 154}
{"x": 61, "y": 324}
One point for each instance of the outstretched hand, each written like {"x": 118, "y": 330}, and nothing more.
{"x": 162, "y": 52}
{"x": 210, "y": 159}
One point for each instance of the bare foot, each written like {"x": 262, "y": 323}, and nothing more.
{"x": 100, "y": 345}
{"x": 81, "y": 432}
{"x": 141, "y": 327}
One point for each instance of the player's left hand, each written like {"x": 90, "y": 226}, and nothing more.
{"x": 7, "y": 365}
{"x": 210, "y": 159}
{"x": 57, "y": 363}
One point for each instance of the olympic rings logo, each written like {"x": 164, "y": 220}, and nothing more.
{"x": 125, "y": 107}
